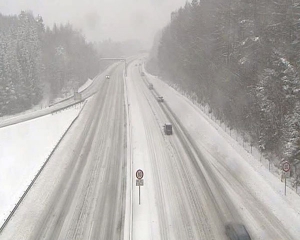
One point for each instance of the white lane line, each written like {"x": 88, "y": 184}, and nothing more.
{"x": 101, "y": 174}
{"x": 128, "y": 229}
{"x": 91, "y": 230}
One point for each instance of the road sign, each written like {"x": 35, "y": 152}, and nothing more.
{"x": 139, "y": 174}
{"x": 286, "y": 166}
{"x": 139, "y": 182}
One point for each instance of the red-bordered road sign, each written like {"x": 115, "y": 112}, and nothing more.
{"x": 139, "y": 174}
{"x": 286, "y": 166}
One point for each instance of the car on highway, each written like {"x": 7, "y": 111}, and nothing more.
{"x": 107, "y": 77}
{"x": 168, "y": 129}
{"x": 150, "y": 86}
{"x": 237, "y": 231}
{"x": 160, "y": 99}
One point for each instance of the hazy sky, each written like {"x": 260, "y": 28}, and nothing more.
{"x": 101, "y": 19}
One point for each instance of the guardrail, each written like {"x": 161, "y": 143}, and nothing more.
{"x": 67, "y": 107}
{"x": 39, "y": 172}
{"x": 43, "y": 112}
{"x": 129, "y": 182}
{"x": 53, "y": 150}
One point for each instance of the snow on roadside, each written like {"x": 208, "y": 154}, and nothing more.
{"x": 45, "y": 102}
{"x": 85, "y": 85}
{"x": 211, "y": 137}
{"x": 145, "y": 217}
{"x": 24, "y": 148}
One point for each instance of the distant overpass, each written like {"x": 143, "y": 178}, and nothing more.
{"x": 117, "y": 59}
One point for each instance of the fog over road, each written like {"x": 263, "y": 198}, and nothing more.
{"x": 80, "y": 194}
{"x": 194, "y": 191}
{"x": 188, "y": 192}
{"x": 169, "y": 174}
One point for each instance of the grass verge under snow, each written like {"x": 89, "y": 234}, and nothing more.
{"x": 24, "y": 148}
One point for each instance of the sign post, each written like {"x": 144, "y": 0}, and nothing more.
{"x": 139, "y": 182}
{"x": 286, "y": 168}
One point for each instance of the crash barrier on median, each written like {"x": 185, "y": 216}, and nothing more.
{"x": 129, "y": 182}
{"x": 68, "y": 107}
{"x": 72, "y": 96}
{"x": 40, "y": 171}
{"x": 45, "y": 111}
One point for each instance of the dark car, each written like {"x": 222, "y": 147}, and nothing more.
{"x": 168, "y": 129}
{"x": 160, "y": 99}
{"x": 142, "y": 74}
{"x": 150, "y": 86}
{"x": 236, "y": 231}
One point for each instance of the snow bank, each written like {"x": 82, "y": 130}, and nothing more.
{"x": 85, "y": 85}
{"x": 24, "y": 148}
{"x": 226, "y": 152}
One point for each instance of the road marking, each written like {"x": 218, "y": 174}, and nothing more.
{"x": 91, "y": 230}
{"x": 102, "y": 174}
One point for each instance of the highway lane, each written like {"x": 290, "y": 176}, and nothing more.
{"x": 231, "y": 197}
{"x": 184, "y": 209}
{"x": 86, "y": 93}
{"x": 81, "y": 192}
{"x": 234, "y": 198}
{"x": 198, "y": 192}
{"x": 92, "y": 89}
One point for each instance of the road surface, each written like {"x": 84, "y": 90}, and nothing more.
{"x": 189, "y": 192}
{"x": 64, "y": 103}
{"x": 195, "y": 192}
{"x": 80, "y": 193}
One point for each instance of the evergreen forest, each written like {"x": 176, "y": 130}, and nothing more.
{"x": 242, "y": 59}
{"x": 40, "y": 62}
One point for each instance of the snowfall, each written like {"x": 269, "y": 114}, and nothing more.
{"x": 212, "y": 137}
{"x": 26, "y": 146}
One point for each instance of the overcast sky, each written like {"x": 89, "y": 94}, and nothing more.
{"x": 101, "y": 19}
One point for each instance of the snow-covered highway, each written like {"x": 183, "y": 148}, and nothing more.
{"x": 85, "y": 93}
{"x": 80, "y": 193}
{"x": 195, "y": 181}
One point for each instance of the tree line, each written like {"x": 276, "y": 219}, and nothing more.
{"x": 241, "y": 58}
{"x": 36, "y": 61}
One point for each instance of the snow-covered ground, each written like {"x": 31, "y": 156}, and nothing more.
{"x": 145, "y": 219}
{"x": 162, "y": 214}
{"x": 85, "y": 85}
{"x": 71, "y": 92}
{"x": 24, "y": 147}
{"x": 167, "y": 209}
{"x": 228, "y": 156}
{"x": 45, "y": 102}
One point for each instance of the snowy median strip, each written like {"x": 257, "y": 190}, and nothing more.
{"x": 24, "y": 148}
{"x": 128, "y": 209}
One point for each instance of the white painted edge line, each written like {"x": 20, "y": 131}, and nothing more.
{"x": 12, "y": 212}
{"x": 91, "y": 230}
{"x": 128, "y": 206}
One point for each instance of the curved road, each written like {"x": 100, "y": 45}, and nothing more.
{"x": 80, "y": 193}
{"x": 186, "y": 194}
{"x": 196, "y": 194}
